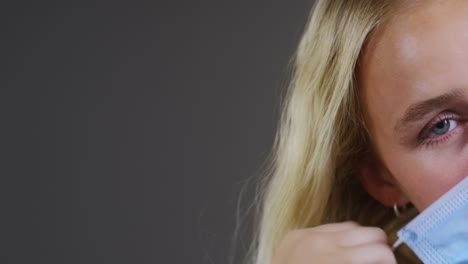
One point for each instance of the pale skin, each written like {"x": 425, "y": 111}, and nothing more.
{"x": 414, "y": 88}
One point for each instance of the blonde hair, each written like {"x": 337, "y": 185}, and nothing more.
{"x": 321, "y": 134}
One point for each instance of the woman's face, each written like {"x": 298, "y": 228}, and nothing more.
{"x": 414, "y": 86}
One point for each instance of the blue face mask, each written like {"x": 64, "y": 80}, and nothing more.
{"x": 439, "y": 234}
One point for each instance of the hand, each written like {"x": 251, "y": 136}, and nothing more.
{"x": 339, "y": 243}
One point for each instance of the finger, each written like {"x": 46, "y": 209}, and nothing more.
{"x": 362, "y": 235}
{"x": 372, "y": 253}
{"x": 336, "y": 227}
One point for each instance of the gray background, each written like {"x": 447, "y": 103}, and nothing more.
{"x": 128, "y": 128}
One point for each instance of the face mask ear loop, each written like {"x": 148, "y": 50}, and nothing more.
{"x": 399, "y": 241}
{"x": 397, "y": 244}
{"x": 395, "y": 209}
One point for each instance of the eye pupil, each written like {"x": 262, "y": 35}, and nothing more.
{"x": 441, "y": 124}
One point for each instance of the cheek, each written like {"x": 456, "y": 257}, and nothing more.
{"x": 425, "y": 184}
{"x": 425, "y": 175}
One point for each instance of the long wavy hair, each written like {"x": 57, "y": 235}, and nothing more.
{"x": 322, "y": 135}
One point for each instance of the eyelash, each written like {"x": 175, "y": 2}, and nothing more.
{"x": 424, "y": 137}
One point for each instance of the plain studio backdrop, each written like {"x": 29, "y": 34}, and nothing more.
{"x": 130, "y": 127}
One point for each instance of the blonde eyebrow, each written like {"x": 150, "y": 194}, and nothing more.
{"x": 419, "y": 110}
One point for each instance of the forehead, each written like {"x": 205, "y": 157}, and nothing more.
{"x": 421, "y": 52}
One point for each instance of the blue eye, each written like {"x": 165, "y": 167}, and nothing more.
{"x": 441, "y": 128}
{"x": 436, "y": 131}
